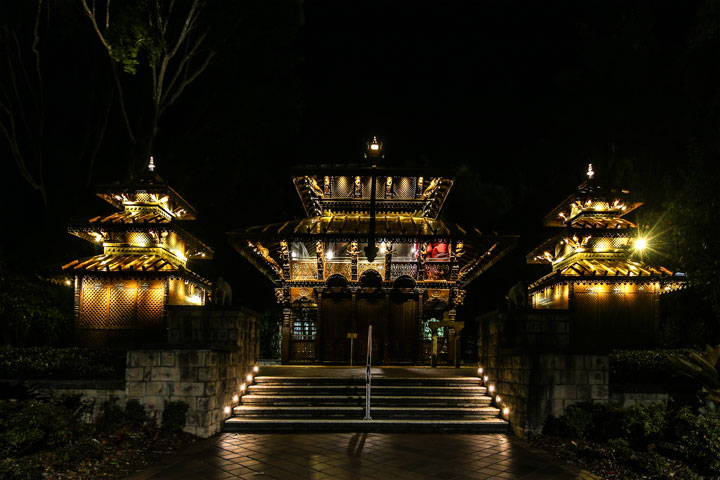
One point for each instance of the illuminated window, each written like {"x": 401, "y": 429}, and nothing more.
{"x": 304, "y": 317}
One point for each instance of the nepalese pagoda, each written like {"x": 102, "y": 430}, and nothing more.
{"x": 333, "y": 284}
{"x": 121, "y": 294}
{"x": 598, "y": 272}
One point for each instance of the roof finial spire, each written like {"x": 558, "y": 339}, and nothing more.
{"x": 151, "y": 165}
{"x": 590, "y": 171}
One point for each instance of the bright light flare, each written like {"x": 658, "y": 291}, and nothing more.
{"x": 641, "y": 244}
{"x": 249, "y": 378}
{"x": 256, "y": 369}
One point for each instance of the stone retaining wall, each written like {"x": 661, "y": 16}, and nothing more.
{"x": 206, "y": 380}
{"x": 93, "y": 393}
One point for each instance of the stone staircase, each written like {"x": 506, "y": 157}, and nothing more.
{"x": 398, "y": 404}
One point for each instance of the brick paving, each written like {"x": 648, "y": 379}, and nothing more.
{"x": 374, "y": 456}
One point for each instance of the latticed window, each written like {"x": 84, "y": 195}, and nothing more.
{"x": 304, "y": 321}
{"x": 427, "y": 331}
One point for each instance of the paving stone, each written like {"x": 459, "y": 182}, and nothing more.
{"x": 372, "y": 456}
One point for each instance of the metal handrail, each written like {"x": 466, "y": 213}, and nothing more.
{"x": 368, "y": 375}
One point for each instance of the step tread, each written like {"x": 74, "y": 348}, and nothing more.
{"x": 383, "y": 397}
{"x": 491, "y": 421}
{"x": 354, "y": 407}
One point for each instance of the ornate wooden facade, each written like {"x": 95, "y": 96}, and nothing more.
{"x": 121, "y": 294}
{"x": 598, "y": 272}
{"x": 332, "y": 288}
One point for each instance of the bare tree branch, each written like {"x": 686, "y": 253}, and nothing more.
{"x": 188, "y": 81}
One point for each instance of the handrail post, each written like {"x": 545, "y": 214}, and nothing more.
{"x": 368, "y": 375}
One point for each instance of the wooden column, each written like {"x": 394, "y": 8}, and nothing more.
{"x": 319, "y": 350}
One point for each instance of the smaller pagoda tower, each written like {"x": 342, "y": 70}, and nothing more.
{"x": 597, "y": 270}
{"x": 121, "y": 294}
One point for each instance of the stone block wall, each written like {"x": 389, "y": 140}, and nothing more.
{"x": 535, "y": 386}
{"x": 205, "y": 379}
{"x": 524, "y": 354}
{"x": 93, "y": 393}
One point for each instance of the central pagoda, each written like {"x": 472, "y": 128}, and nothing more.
{"x": 370, "y": 252}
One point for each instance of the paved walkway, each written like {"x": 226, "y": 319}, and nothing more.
{"x": 394, "y": 456}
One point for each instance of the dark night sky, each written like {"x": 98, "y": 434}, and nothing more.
{"x": 519, "y": 96}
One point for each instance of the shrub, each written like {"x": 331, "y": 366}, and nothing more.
{"x": 29, "y": 427}
{"x": 112, "y": 416}
{"x": 644, "y": 424}
{"x": 135, "y": 413}
{"x": 173, "y": 417}
{"x": 61, "y": 363}
{"x": 11, "y": 469}
{"x": 594, "y": 421}
{"x": 642, "y": 366}
{"x": 698, "y": 439}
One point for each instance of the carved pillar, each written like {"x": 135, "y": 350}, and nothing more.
{"x": 456, "y": 252}
{"x": 283, "y": 298}
{"x": 421, "y": 261}
{"x": 419, "y": 187}
{"x": 285, "y": 259}
{"x": 388, "y": 261}
{"x": 320, "y": 252}
{"x": 354, "y": 261}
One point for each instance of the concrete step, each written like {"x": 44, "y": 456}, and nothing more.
{"x": 273, "y": 411}
{"x": 379, "y": 400}
{"x": 405, "y": 390}
{"x": 376, "y": 380}
{"x": 489, "y": 425}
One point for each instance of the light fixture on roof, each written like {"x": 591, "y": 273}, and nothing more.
{"x": 151, "y": 165}
{"x": 640, "y": 244}
{"x": 590, "y": 171}
{"x": 374, "y": 147}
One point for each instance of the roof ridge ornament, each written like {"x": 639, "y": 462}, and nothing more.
{"x": 151, "y": 165}
{"x": 590, "y": 171}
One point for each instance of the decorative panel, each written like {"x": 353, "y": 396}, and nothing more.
{"x": 303, "y": 270}
{"x": 342, "y": 187}
{"x": 303, "y": 351}
{"x": 437, "y": 271}
{"x": 342, "y": 268}
{"x": 379, "y": 266}
{"x": 150, "y": 303}
{"x": 93, "y": 304}
{"x": 121, "y": 304}
{"x": 403, "y": 268}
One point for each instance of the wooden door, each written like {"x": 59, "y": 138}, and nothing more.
{"x": 335, "y": 323}
{"x": 372, "y": 310}
{"x": 403, "y": 330}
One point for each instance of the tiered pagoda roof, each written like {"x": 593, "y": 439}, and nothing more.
{"x": 146, "y": 237}
{"x": 596, "y": 240}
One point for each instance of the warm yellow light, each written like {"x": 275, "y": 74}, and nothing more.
{"x": 227, "y": 410}
{"x": 491, "y": 388}
{"x": 480, "y": 370}
{"x": 249, "y": 377}
{"x": 236, "y": 398}
{"x": 243, "y": 387}
{"x": 640, "y": 244}
{"x": 485, "y": 378}
{"x": 68, "y": 282}
{"x": 329, "y": 255}
{"x": 374, "y": 146}
{"x": 506, "y": 411}
{"x": 256, "y": 369}
{"x": 498, "y": 399}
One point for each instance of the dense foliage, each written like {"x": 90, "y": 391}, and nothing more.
{"x": 643, "y": 366}
{"x": 654, "y": 440}
{"x": 33, "y": 311}
{"x": 48, "y": 440}
{"x": 71, "y": 363}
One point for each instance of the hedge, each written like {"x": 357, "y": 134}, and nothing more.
{"x": 72, "y": 363}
